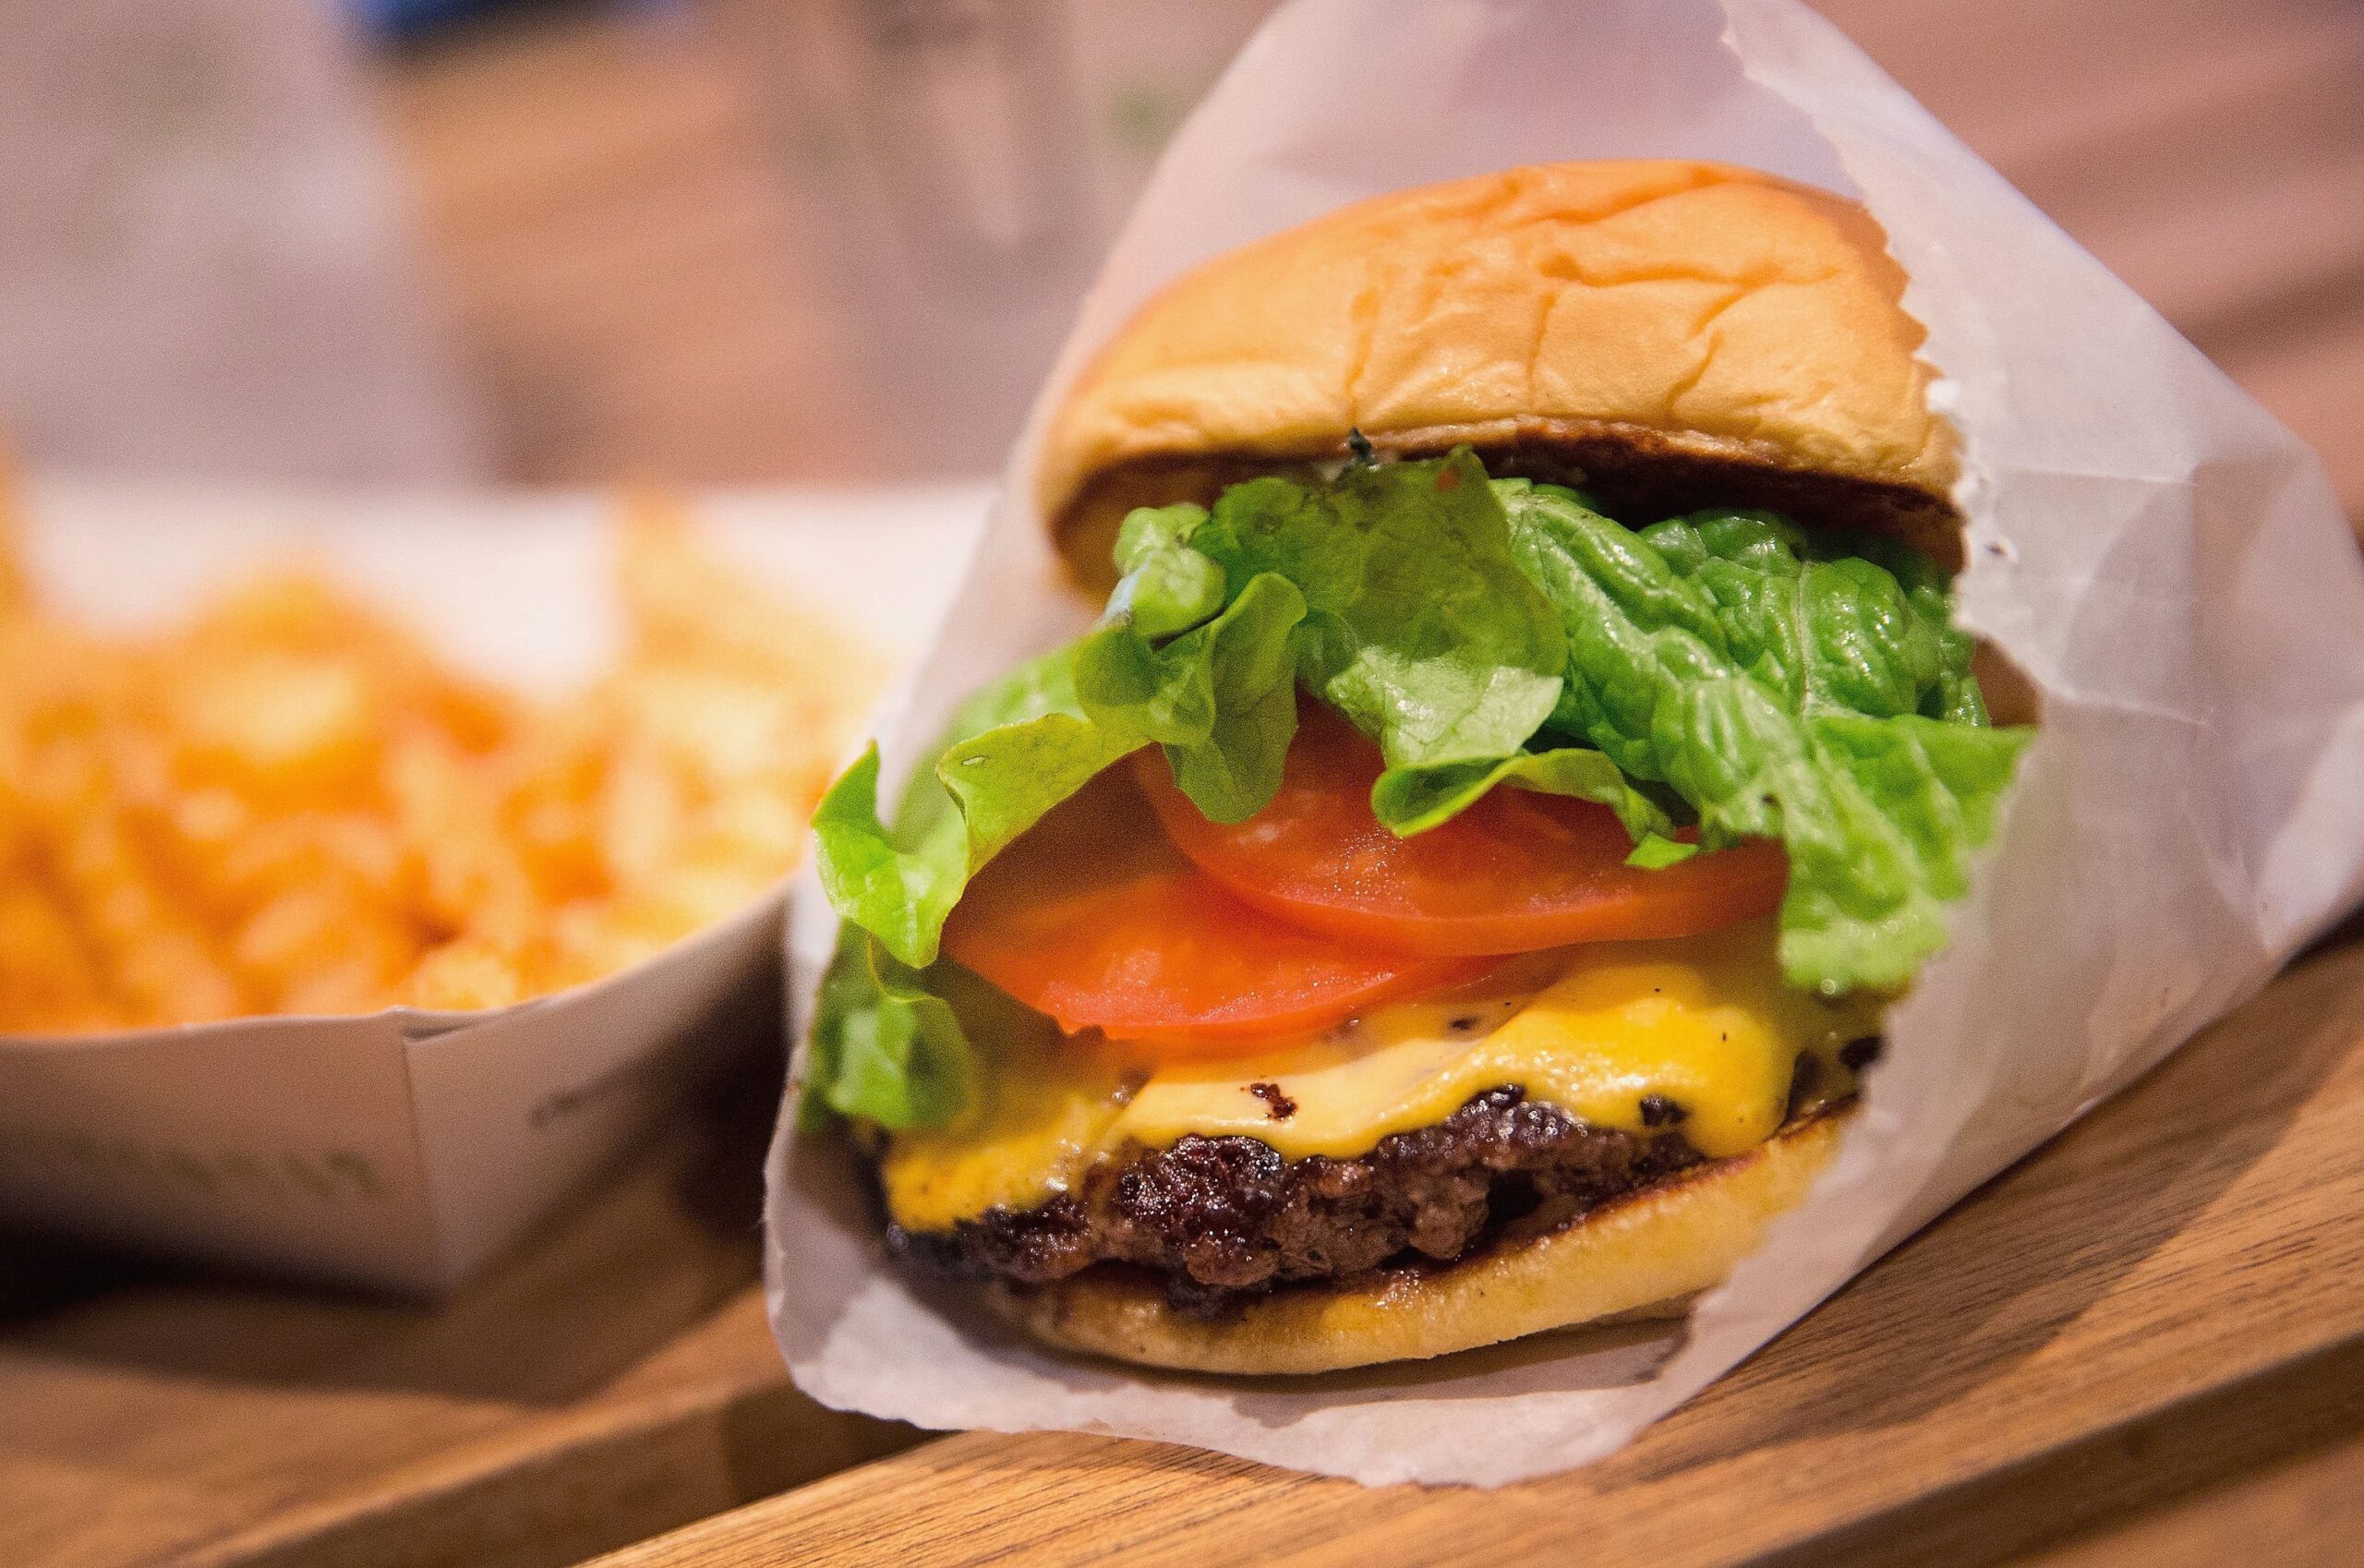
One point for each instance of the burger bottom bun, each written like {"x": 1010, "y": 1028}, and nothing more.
{"x": 1642, "y": 1256}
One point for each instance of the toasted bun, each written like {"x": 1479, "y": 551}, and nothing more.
{"x": 1674, "y": 334}
{"x": 1644, "y": 1256}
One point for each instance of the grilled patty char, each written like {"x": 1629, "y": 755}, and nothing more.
{"x": 1220, "y": 1217}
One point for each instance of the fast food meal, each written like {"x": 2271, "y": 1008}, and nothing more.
{"x": 286, "y": 805}
{"x": 1453, "y": 890}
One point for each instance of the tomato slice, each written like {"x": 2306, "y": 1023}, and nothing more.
{"x": 1095, "y": 918}
{"x": 1515, "y": 873}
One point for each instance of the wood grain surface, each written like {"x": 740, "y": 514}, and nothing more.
{"x": 2170, "y": 1293}
{"x": 615, "y": 1380}
{"x": 2140, "y": 1347}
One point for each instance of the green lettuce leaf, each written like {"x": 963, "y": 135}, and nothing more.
{"x": 894, "y": 1045}
{"x": 1220, "y": 699}
{"x": 1413, "y": 799}
{"x": 1420, "y": 626}
{"x": 1904, "y": 801}
{"x": 1786, "y": 689}
{"x": 1017, "y": 749}
{"x": 1655, "y": 853}
{"x": 900, "y": 887}
{"x": 1166, "y": 587}
{"x": 886, "y": 1045}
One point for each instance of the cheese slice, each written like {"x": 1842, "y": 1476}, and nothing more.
{"x": 1701, "y": 1030}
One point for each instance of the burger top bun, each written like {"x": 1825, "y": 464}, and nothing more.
{"x": 1671, "y": 334}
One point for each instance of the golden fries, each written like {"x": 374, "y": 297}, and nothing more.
{"x": 286, "y": 806}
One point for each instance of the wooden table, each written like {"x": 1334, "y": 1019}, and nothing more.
{"x": 611, "y": 1382}
{"x": 2146, "y": 1344}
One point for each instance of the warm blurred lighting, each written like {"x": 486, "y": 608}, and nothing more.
{"x": 957, "y": 168}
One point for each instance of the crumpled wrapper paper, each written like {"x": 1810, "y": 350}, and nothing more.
{"x": 2162, "y": 560}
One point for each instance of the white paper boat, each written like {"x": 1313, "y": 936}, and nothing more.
{"x": 405, "y": 1149}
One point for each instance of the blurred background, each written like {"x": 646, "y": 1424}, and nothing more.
{"x": 435, "y": 241}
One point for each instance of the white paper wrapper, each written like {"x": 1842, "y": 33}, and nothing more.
{"x": 2164, "y": 561}
{"x": 402, "y": 1150}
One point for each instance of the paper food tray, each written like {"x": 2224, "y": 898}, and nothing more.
{"x": 404, "y": 1150}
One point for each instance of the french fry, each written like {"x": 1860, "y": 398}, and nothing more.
{"x": 467, "y": 974}
{"x": 286, "y": 805}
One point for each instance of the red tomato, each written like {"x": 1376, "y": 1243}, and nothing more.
{"x": 1094, "y": 918}
{"x": 1515, "y": 873}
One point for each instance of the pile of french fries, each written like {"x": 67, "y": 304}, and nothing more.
{"x": 286, "y": 805}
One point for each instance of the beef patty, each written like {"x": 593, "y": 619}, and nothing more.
{"x": 1220, "y": 1217}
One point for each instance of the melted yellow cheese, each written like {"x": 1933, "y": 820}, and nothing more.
{"x": 1703, "y": 1022}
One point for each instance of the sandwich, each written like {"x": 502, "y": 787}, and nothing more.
{"x": 1453, "y": 890}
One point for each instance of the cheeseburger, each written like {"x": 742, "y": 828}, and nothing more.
{"x": 1453, "y": 891}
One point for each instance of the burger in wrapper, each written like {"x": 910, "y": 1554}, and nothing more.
{"x": 1453, "y": 890}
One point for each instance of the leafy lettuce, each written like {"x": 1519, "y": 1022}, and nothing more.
{"x": 1784, "y": 688}
{"x": 1724, "y": 668}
